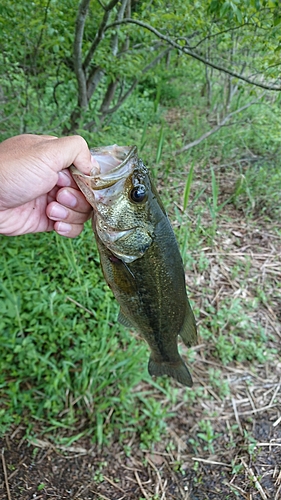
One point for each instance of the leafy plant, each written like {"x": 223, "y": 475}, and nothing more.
{"x": 207, "y": 434}
{"x": 67, "y": 341}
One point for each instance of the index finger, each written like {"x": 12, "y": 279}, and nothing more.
{"x": 65, "y": 179}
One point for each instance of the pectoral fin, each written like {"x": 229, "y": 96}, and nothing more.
{"x": 124, "y": 320}
{"x": 177, "y": 370}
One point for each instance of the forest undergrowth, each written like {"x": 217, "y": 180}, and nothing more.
{"x": 80, "y": 416}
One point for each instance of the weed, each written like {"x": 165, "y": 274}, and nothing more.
{"x": 257, "y": 191}
{"x": 98, "y": 476}
{"x": 236, "y": 468}
{"x": 59, "y": 347}
{"x": 160, "y": 144}
{"x": 234, "y": 491}
{"x": 213, "y": 203}
{"x": 251, "y": 443}
{"x": 236, "y": 336}
{"x": 195, "y": 466}
{"x": 217, "y": 381}
{"x": 178, "y": 466}
{"x": 207, "y": 434}
{"x": 187, "y": 187}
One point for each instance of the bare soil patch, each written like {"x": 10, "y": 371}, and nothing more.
{"x": 167, "y": 472}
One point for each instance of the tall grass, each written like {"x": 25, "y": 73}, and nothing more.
{"x": 65, "y": 361}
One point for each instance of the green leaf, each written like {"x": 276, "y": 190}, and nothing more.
{"x": 188, "y": 187}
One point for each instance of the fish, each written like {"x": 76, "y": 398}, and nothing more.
{"x": 139, "y": 256}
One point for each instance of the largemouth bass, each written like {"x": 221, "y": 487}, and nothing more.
{"x": 139, "y": 255}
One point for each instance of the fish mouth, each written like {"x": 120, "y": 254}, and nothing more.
{"x": 114, "y": 165}
{"x": 105, "y": 183}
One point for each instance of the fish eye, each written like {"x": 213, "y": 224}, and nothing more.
{"x": 138, "y": 194}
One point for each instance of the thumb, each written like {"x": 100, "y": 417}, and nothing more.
{"x": 70, "y": 150}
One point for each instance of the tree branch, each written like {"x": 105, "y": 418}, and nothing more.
{"x": 189, "y": 52}
{"x": 216, "y": 128}
{"x": 94, "y": 79}
{"x": 214, "y": 35}
{"x": 122, "y": 99}
{"x": 100, "y": 33}
{"x": 41, "y": 33}
{"x": 77, "y": 52}
{"x": 135, "y": 82}
{"x": 120, "y": 16}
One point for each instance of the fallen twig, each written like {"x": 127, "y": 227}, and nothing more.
{"x": 255, "y": 479}
{"x": 5, "y": 474}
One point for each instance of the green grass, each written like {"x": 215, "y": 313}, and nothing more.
{"x": 66, "y": 364}
{"x": 258, "y": 190}
{"x": 63, "y": 354}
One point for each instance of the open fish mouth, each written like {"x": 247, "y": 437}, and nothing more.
{"x": 105, "y": 184}
{"x": 115, "y": 165}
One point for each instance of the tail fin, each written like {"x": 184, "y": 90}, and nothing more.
{"x": 177, "y": 370}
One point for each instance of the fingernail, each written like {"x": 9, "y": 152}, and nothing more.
{"x": 67, "y": 198}
{"x": 64, "y": 179}
{"x": 63, "y": 228}
{"x": 58, "y": 212}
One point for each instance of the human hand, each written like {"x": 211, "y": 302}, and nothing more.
{"x": 37, "y": 192}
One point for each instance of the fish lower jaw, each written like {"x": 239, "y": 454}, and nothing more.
{"x": 126, "y": 259}
{"x": 110, "y": 239}
{"x": 110, "y": 235}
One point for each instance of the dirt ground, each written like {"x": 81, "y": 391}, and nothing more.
{"x": 241, "y": 460}
{"x": 39, "y": 470}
